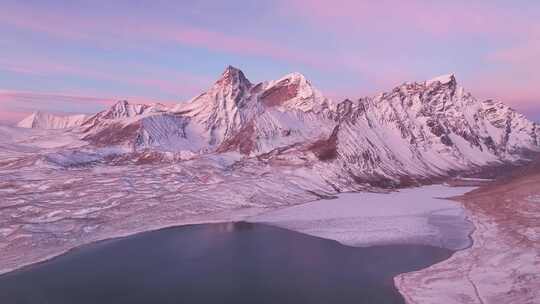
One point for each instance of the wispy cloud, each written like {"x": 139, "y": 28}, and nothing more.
{"x": 11, "y": 117}
{"x": 525, "y": 55}
{"x": 172, "y": 83}
{"x": 349, "y": 47}
{"x": 26, "y": 102}
{"x": 509, "y": 69}
{"x": 122, "y": 31}
{"x": 396, "y": 16}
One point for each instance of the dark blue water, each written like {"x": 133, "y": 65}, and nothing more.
{"x": 218, "y": 263}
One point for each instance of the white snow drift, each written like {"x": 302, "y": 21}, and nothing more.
{"x": 415, "y": 215}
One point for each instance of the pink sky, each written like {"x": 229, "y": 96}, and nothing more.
{"x": 170, "y": 51}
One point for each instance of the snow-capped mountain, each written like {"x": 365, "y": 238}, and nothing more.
{"x": 294, "y": 92}
{"x": 279, "y": 114}
{"x": 426, "y": 129}
{"x": 119, "y": 124}
{"x": 221, "y": 112}
{"x": 199, "y": 125}
{"x": 41, "y": 120}
{"x": 120, "y": 110}
{"x": 417, "y": 131}
{"x": 232, "y": 115}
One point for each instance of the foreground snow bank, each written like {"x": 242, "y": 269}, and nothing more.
{"x": 410, "y": 216}
{"x": 502, "y": 266}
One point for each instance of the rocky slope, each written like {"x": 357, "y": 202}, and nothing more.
{"x": 417, "y": 132}
{"x": 429, "y": 129}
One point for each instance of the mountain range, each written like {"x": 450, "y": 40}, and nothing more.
{"x": 416, "y": 132}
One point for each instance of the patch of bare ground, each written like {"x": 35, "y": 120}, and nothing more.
{"x": 242, "y": 141}
{"x": 114, "y": 134}
{"x": 326, "y": 149}
{"x": 503, "y": 264}
{"x": 278, "y": 94}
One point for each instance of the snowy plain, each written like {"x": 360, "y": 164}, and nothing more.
{"x": 408, "y": 216}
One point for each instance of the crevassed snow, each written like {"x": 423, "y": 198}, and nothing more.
{"x": 364, "y": 219}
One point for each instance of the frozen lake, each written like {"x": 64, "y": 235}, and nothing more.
{"x": 409, "y": 216}
{"x": 219, "y": 263}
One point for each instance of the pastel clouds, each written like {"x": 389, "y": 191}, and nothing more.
{"x": 172, "y": 82}
{"x": 525, "y": 55}
{"x": 15, "y": 105}
{"x": 173, "y": 50}
{"x": 8, "y": 117}
{"x": 434, "y": 17}
{"x": 123, "y": 30}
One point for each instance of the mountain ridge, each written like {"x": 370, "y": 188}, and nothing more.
{"x": 417, "y": 130}
{"x": 42, "y": 120}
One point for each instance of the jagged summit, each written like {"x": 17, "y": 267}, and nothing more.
{"x": 115, "y": 114}
{"x": 295, "y": 76}
{"x": 293, "y": 91}
{"x": 443, "y": 90}
{"x": 157, "y": 107}
{"x": 303, "y": 84}
{"x": 123, "y": 109}
{"x": 233, "y": 76}
{"x": 443, "y": 79}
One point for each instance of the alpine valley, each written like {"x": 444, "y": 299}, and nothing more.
{"x": 242, "y": 149}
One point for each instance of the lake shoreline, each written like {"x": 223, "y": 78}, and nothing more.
{"x": 238, "y": 216}
{"x": 179, "y": 254}
{"x": 501, "y": 265}
{"x": 234, "y": 215}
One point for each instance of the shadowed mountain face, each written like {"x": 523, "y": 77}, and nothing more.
{"x": 415, "y": 132}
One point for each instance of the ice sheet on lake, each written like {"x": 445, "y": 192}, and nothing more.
{"x": 412, "y": 216}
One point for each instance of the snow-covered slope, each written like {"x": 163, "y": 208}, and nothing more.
{"x": 427, "y": 129}
{"x": 130, "y": 125}
{"x": 415, "y": 132}
{"x": 224, "y": 109}
{"x": 233, "y": 115}
{"x": 40, "y": 120}
{"x": 510, "y": 130}
{"x": 284, "y": 113}
{"x": 119, "y": 111}
{"x": 294, "y": 92}
{"x": 166, "y": 132}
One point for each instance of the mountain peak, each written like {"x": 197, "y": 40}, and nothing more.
{"x": 232, "y": 76}
{"x": 293, "y": 91}
{"x": 443, "y": 79}
{"x": 120, "y": 104}
{"x": 231, "y": 69}
{"x": 295, "y": 76}
{"x": 123, "y": 109}
{"x": 302, "y": 86}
